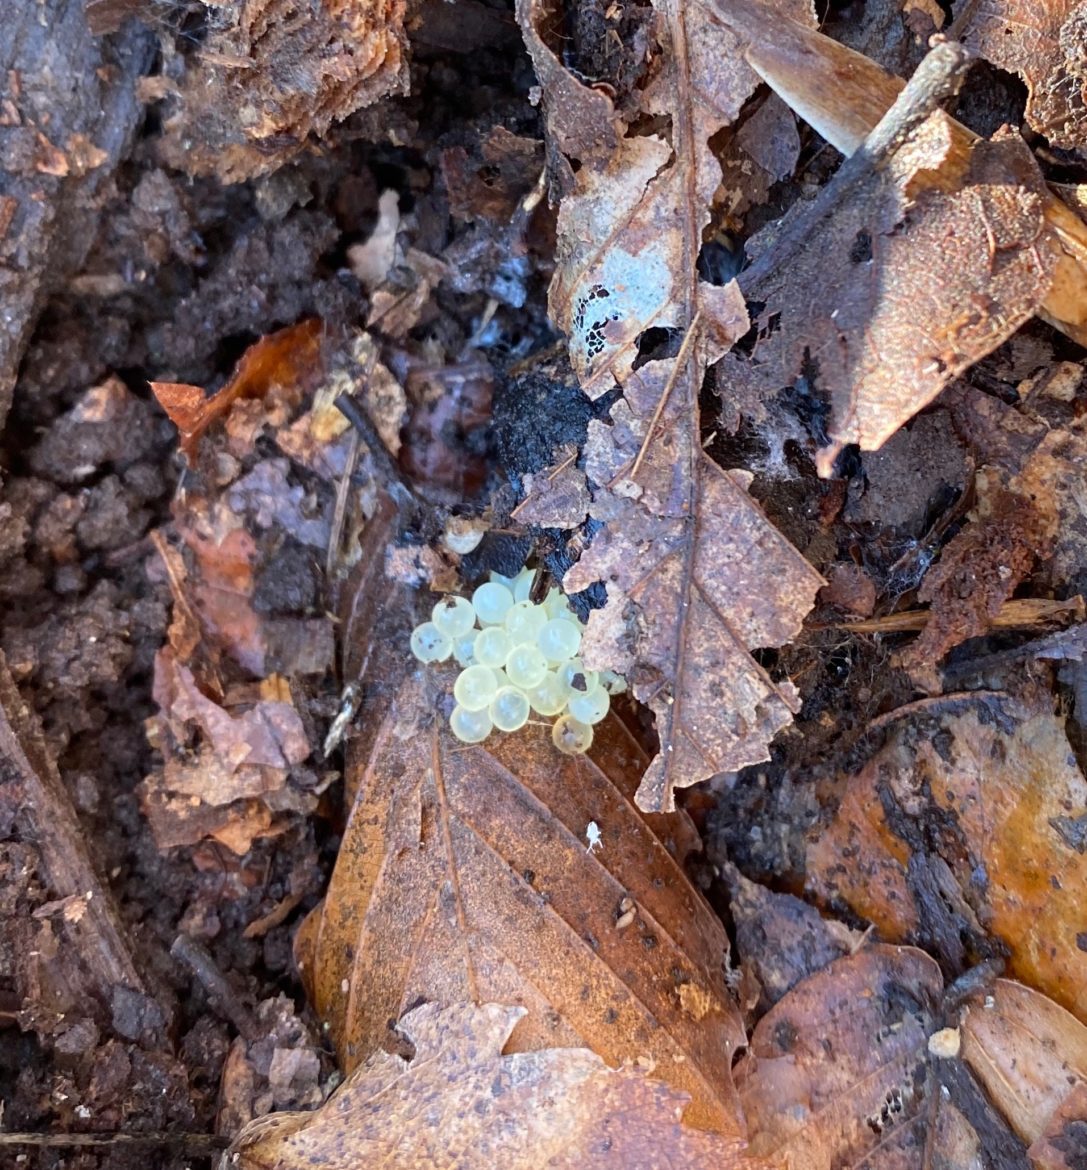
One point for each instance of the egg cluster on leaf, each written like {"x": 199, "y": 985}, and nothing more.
{"x": 517, "y": 657}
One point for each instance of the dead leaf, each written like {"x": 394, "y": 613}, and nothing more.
{"x": 1028, "y": 1053}
{"x": 835, "y": 1071}
{"x": 464, "y": 874}
{"x": 264, "y": 80}
{"x": 977, "y": 572}
{"x": 225, "y": 772}
{"x": 922, "y": 269}
{"x": 959, "y": 829}
{"x": 1042, "y": 41}
{"x": 458, "y": 1101}
{"x": 287, "y": 360}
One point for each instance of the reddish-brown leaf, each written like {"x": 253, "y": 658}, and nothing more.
{"x": 465, "y": 874}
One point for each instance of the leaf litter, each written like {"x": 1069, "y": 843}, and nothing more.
{"x": 546, "y": 911}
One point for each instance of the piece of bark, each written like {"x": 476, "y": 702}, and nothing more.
{"x": 31, "y": 780}
{"x": 69, "y": 111}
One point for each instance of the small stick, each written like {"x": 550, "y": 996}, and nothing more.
{"x": 194, "y": 1144}
{"x": 937, "y": 77}
{"x": 222, "y": 995}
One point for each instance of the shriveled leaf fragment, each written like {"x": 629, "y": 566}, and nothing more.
{"x": 836, "y": 1070}
{"x": 977, "y": 573}
{"x": 458, "y": 1101}
{"x": 921, "y": 270}
{"x": 1043, "y": 41}
{"x": 963, "y": 826}
{"x": 1028, "y": 1053}
{"x": 286, "y": 360}
{"x": 465, "y": 874}
{"x": 225, "y": 772}
{"x": 271, "y": 73}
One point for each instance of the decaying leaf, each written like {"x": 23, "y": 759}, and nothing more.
{"x": 458, "y": 1101}
{"x": 272, "y": 73}
{"x": 1044, "y": 42}
{"x": 1029, "y": 1054}
{"x": 685, "y": 554}
{"x": 287, "y": 360}
{"x": 921, "y": 270}
{"x": 836, "y": 1069}
{"x": 465, "y": 875}
{"x": 964, "y": 826}
{"x": 231, "y": 784}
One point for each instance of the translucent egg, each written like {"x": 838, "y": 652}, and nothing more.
{"x": 492, "y": 646}
{"x": 571, "y": 737}
{"x": 579, "y": 680}
{"x": 556, "y": 604}
{"x": 509, "y": 709}
{"x": 464, "y": 648}
{"x": 500, "y": 679}
{"x": 470, "y": 726}
{"x": 526, "y": 666}
{"x": 592, "y": 707}
{"x": 474, "y": 688}
{"x": 454, "y": 616}
{"x": 524, "y": 621}
{"x": 559, "y": 639}
{"x": 522, "y": 584}
{"x": 492, "y": 602}
{"x": 429, "y": 644}
{"x": 550, "y": 697}
{"x": 613, "y": 683}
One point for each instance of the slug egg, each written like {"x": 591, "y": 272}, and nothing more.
{"x": 509, "y": 709}
{"x": 491, "y": 603}
{"x": 475, "y": 688}
{"x": 559, "y": 639}
{"x": 591, "y": 707}
{"x": 464, "y": 648}
{"x": 522, "y": 584}
{"x": 470, "y": 726}
{"x": 524, "y": 621}
{"x": 549, "y": 697}
{"x": 570, "y": 736}
{"x": 454, "y": 616}
{"x": 526, "y": 666}
{"x": 579, "y": 680}
{"x": 429, "y": 644}
{"x": 492, "y": 646}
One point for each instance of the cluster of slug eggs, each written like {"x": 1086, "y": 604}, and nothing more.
{"x": 517, "y": 657}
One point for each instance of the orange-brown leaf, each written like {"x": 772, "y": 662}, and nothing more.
{"x": 832, "y": 1072}
{"x": 459, "y": 1101}
{"x": 465, "y": 875}
{"x": 286, "y": 360}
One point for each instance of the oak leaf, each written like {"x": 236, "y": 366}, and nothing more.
{"x": 629, "y": 234}
{"x": 465, "y": 874}
{"x": 462, "y": 1099}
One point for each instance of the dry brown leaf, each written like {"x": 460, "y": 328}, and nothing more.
{"x": 459, "y": 1102}
{"x": 465, "y": 875}
{"x": 1028, "y": 1053}
{"x": 998, "y": 782}
{"x": 1043, "y": 41}
{"x": 921, "y": 269}
{"x": 287, "y": 360}
{"x": 685, "y": 553}
{"x": 269, "y": 75}
{"x": 977, "y": 572}
{"x": 835, "y": 1071}
{"x": 225, "y": 772}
